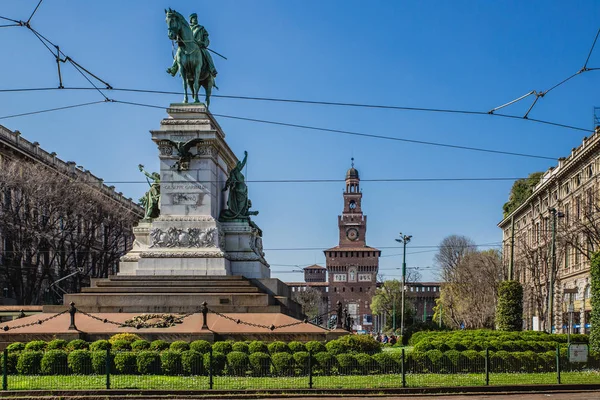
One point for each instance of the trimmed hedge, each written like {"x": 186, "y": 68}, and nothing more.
{"x": 159, "y": 345}
{"x": 80, "y": 362}
{"x": 129, "y": 337}
{"x": 219, "y": 362}
{"x": 278, "y": 347}
{"x": 16, "y": 346}
{"x": 57, "y": 344}
{"x": 241, "y": 346}
{"x": 315, "y": 347}
{"x": 170, "y": 362}
{"x": 260, "y": 363}
{"x": 140, "y": 345}
{"x": 179, "y": 345}
{"x": 11, "y": 362}
{"x": 595, "y": 301}
{"x": 296, "y": 347}
{"x": 29, "y": 362}
{"x": 54, "y": 362}
{"x": 222, "y": 347}
{"x": 121, "y": 345}
{"x": 237, "y": 363}
{"x": 283, "y": 364}
{"x": 148, "y": 362}
{"x": 78, "y": 344}
{"x": 99, "y": 362}
{"x": 126, "y": 363}
{"x": 200, "y": 346}
{"x": 100, "y": 345}
{"x": 509, "y": 310}
{"x": 258, "y": 346}
{"x": 36, "y": 345}
{"x": 192, "y": 362}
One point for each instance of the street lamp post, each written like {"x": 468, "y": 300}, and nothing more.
{"x": 404, "y": 239}
{"x": 555, "y": 214}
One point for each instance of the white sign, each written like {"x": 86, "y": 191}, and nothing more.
{"x": 340, "y": 277}
{"x": 364, "y": 277}
{"x": 353, "y": 309}
{"x": 578, "y": 352}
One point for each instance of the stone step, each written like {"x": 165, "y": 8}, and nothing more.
{"x": 171, "y": 289}
{"x": 177, "y": 309}
{"x": 177, "y": 278}
{"x": 182, "y": 283}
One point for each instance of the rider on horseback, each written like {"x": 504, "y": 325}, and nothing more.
{"x": 201, "y": 38}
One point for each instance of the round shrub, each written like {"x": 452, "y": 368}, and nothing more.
{"x": 222, "y": 347}
{"x": 11, "y": 362}
{"x": 435, "y": 360}
{"x": 385, "y": 362}
{"x": 295, "y": 347}
{"x": 80, "y": 362}
{"x": 130, "y": 337}
{"x": 453, "y": 356}
{"x": 36, "y": 345}
{"x": 360, "y": 343}
{"x": 100, "y": 345}
{"x": 126, "y": 363}
{"x": 301, "y": 361}
{"x": 219, "y": 361}
{"x": 257, "y": 346}
{"x": 57, "y": 344}
{"x": 121, "y": 345}
{"x": 99, "y": 362}
{"x": 170, "y": 362}
{"x": 315, "y": 347}
{"x": 260, "y": 362}
{"x": 336, "y": 347}
{"x": 346, "y": 363}
{"x": 240, "y": 346}
{"x": 29, "y": 362}
{"x": 237, "y": 363}
{"x": 159, "y": 345}
{"x": 278, "y": 347}
{"x": 148, "y": 362}
{"x": 15, "y": 346}
{"x": 192, "y": 362}
{"x": 325, "y": 362}
{"x": 77, "y": 344}
{"x": 54, "y": 362}
{"x": 140, "y": 345}
{"x": 179, "y": 345}
{"x": 200, "y": 346}
{"x": 366, "y": 364}
{"x": 283, "y": 363}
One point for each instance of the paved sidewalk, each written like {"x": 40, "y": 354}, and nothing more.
{"x": 490, "y": 396}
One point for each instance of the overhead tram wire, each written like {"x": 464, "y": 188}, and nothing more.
{"x": 53, "y": 109}
{"x": 314, "y": 128}
{"x": 313, "y": 102}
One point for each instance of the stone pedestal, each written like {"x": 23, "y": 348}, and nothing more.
{"x": 245, "y": 250}
{"x": 187, "y": 238}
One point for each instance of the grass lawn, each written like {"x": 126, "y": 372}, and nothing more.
{"x": 83, "y": 382}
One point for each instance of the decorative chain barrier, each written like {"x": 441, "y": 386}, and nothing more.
{"x": 165, "y": 320}
{"x": 38, "y": 322}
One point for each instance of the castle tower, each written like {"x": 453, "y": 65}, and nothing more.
{"x": 352, "y": 265}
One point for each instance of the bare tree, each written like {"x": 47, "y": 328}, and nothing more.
{"x": 53, "y": 226}
{"x": 311, "y": 301}
{"x": 468, "y": 293}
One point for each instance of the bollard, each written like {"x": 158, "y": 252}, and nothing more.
{"x": 72, "y": 311}
{"x": 487, "y": 367}
{"x": 403, "y": 365}
{"x": 558, "y": 364}
{"x": 5, "y": 370}
{"x": 204, "y": 315}
{"x": 107, "y": 367}
{"x": 210, "y": 369}
{"x": 310, "y": 372}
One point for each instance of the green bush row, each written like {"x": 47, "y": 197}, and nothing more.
{"x": 492, "y": 345}
{"x": 487, "y": 336}
{"x": 349, "y": 343}
{"x": 237, "y": 363}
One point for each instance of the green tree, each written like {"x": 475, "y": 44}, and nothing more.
{"x": 388, "y": 297}
{"x": 595, "y": 315}
{"x": 520, "y": 191}
{"x": 509, "y": 313}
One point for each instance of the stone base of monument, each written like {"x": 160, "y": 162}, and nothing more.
{"x": 239, "y": 309}
{"x": 244, "y": 250}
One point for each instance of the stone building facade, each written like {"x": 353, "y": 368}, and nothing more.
{"x": 15, "y": 149}
{"x": 566, "y": 198}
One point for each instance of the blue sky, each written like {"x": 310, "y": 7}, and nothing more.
{"x": 471, "y": 55}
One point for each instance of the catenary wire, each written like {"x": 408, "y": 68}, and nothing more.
{"x": 53, "y": 109}
{"x": 355, "y": 133}
{"x": 34, "y": 11}
{"x": 591, "y": 50}
{"x": 313, "y": 102}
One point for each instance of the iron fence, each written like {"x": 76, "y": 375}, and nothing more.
{"x": 190, "y": 370}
